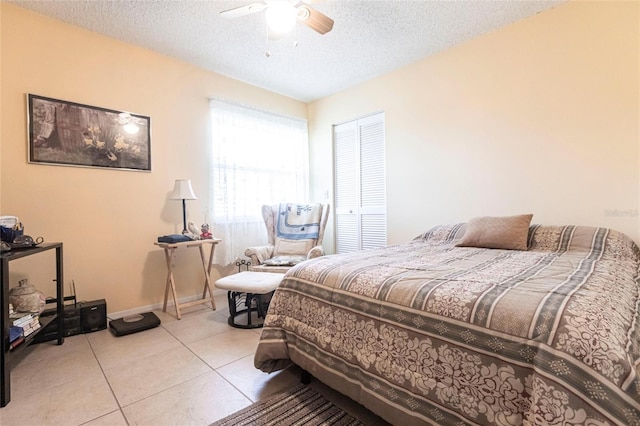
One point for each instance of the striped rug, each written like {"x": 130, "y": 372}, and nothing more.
{"x": 299, "y": 406}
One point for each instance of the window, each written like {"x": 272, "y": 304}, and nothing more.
{"x": 257, "y": 158}
{"x": 361, "y": 220}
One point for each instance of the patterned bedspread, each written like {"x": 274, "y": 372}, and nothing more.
{"x": 426, "y": 332}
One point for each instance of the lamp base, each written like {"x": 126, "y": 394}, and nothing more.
{"x": 184, "y": 217}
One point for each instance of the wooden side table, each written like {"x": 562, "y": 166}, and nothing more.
{"x": 169, "y": 254}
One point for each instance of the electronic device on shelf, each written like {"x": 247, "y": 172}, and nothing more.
{"x": 78, "y": 317}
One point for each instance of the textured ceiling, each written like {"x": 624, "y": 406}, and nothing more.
{"x": 369, "y": 38}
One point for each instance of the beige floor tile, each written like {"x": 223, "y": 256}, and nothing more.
{"x": 163, "y": 380}
{"x": 152, "y": 374}
{"x": 171, "y": 316}
{"x": 166, "y": 317}
{"x": 222, "y": 305}
{"x": 48, "y": 349}
{"x": 254, "y": 383}
{"x": 220, "y": 299}
{"x": 33, "y": 377}
{"x": 197, "y": 326}
{"x": 200, "y": 401}
{"x": 191, "y": 310}
{"x": 223, "y": 314}
{"x": 115, "y": 418}
{"x": 72, "y": 403}
{"x": 113, "y": 351}
{"x": 225, "y": 347}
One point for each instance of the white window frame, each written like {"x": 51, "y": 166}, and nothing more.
{"x": 257, "y": 158}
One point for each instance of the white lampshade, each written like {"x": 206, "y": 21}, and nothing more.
{"x": 182, "y": 190}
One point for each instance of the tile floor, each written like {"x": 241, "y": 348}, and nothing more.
{"x": 188, "y": 372}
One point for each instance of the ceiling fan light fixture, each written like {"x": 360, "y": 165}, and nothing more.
{"x": 303, "y": 13}
{"x": 281, "y": 17}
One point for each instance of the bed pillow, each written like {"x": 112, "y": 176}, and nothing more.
{"x": 443, "y": 234}
{"x": 506, "y": 232}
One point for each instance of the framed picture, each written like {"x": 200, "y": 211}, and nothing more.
{"x": 71, "y": 134}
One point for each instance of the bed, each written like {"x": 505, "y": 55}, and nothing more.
{"x": 431, "y": 333}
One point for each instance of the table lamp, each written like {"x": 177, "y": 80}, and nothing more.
{"x": 182, "y": 191}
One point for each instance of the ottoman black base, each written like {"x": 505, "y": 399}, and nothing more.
{"x": 249, "y": 305}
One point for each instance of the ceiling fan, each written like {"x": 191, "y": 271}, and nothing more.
{"x": 281, "y": 15}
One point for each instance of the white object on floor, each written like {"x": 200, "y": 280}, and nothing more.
{"x": 251, "y": 290}
{"x": 250, "y": 282}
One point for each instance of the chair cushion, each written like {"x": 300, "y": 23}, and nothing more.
{"x": 284, "y": 247}
{"x": 284, "y": 260}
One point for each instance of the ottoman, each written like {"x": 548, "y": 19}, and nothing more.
{"x": 249, "y": 292}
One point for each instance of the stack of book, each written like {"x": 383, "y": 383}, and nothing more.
{"x": 16, "y": 337}
{"x": 22, "y": 325}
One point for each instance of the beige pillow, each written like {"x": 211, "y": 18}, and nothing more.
{"x": 507, "y": 232}
{"x": 286, "y": 247}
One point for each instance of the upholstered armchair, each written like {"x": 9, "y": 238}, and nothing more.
{"x": 294, "y": 232}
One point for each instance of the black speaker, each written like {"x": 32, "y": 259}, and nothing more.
{"x": 93, "y": 315}
{"x": 70, "y": 324}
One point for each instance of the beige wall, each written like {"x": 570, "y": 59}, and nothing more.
{"x": 541, "y": 116}
{"x": 108, "y": 219}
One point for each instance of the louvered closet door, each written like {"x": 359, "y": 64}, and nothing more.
{"x": 360, "y": 203}
{"x": 347, "y": 181}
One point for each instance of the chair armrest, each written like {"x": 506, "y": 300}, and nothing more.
{"x": 317, "y": 251}
{"x": 259, "y": 254}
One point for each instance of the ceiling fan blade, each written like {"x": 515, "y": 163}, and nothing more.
{"x": 315, "y": 20}
{"x": 244, "y": 10}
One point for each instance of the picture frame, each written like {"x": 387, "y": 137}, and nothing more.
{"x": 68, "y": 133}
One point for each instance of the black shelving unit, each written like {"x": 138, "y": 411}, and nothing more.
{"x": 9, "y": 358}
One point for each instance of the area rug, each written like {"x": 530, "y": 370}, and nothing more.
{"x": 299, "y": 406}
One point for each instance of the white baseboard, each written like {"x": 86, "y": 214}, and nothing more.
{"x": 147, "y": 308}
